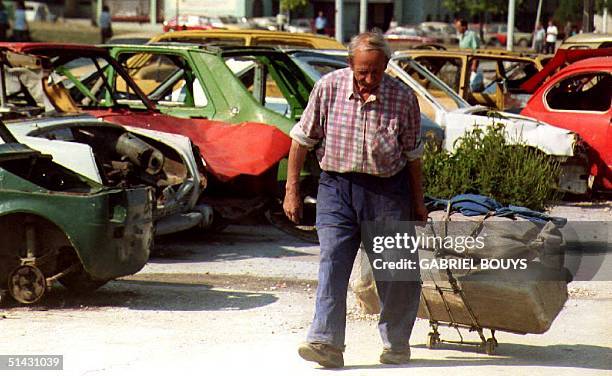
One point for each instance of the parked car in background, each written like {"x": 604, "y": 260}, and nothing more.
{"x": 251, "y": 38}
{"x": 37, "y": 11}
{"x": 500, "y": 74}
{"x": 403, "y": 36}
{"x": 57, "y": 225}
{"x": 443, "y": 32}
{"x": 578, "y": 98}
{"x": 300, "y": 25}
{"x": 188, "y": 22}
{"x": 587, "y": 40}
{"x": 132, "y": 38}
{"x": 496, "y": 34}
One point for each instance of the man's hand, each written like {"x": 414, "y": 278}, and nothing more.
{"x": 420, "y": 212}
{"x": 292, "y": 205}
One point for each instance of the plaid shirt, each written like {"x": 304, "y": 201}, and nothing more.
{"x": 374, "y": 137}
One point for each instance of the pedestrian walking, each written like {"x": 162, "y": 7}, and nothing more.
{"x": 4, "y": 22}
{"x": 540, "y": 34}
{"x": 21, "y": 32}
{"x": 551, "y": 37}
{"x": 320, "y": 23}
{"x": 364, "y": 127}
{"x": 104, "y": 22}
{"x": 467, "y": 38}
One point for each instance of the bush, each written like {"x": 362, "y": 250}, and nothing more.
{"x": 484, "y": 163}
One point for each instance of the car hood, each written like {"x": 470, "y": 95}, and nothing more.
{"x": 559, "y": 60}
{"x": 228, "y": 150}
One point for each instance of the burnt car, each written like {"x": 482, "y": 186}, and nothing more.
{"x": 75, "y": 79}
{"x": 57, "y": 225}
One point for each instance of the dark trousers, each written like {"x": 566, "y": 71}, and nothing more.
{"x": 344, "y": 201}
{"x": 550, "y": 47}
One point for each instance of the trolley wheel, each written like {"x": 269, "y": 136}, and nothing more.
{"x": 432, "y": 340}
{"x": 490, "y": 346}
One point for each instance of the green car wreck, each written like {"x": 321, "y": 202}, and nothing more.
{"x": 57, "y": 225}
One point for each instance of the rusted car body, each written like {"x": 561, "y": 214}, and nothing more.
{"x": 58, "y": 225}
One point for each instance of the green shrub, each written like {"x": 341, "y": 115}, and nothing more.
{"x": 484, "y": 163}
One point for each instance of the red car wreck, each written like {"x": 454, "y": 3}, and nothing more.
{"x": 66, "y": 78}
{"x": 579, "y": 98}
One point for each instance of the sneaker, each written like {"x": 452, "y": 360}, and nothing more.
{"x": 395, "y": 357}
{"x": 324, "y": 354}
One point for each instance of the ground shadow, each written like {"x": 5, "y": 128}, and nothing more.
{"x": 151, "y": 295}
{"x": 234, "y": 243}
{"x": 516, "y": 355}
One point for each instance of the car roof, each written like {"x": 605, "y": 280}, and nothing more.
{"x": 466, "y": 52}
{"x": 588, "y": 38}
{"x": 48, "y": 48}
{"x": 325, "y": 41}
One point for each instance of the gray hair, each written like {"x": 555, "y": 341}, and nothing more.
{"x": 369, "y": 41}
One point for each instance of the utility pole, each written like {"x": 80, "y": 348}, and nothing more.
{"x": 604, "y": 19}
{"x": 339, "y": 17}
{"x": 587, "y": 16}
{"x": 153, "y": 12}
{"x": 363, "y": 16}
{"x": 510, "y": 35}
{"x": 535, "y": 26}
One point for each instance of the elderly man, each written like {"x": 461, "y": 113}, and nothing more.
{"x": 364, "y": 126}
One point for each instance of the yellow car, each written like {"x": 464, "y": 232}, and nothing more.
{"x": 251, "y": 38}
{"x": 586, "y": 41}
{"x": 495, "y": 82}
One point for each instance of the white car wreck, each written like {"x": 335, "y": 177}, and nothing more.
{"x": 119, "y": 156}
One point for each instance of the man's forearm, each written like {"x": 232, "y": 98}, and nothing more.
{"x": 415, "y": 176}
{"x": 297, "y": 155}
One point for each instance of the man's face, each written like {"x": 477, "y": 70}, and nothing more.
{"x": 460, "y": 28}
{"x": 368, "y": 69}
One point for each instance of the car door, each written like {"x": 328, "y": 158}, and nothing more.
{"x": 168, "y": 79}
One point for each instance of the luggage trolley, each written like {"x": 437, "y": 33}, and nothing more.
{"x": 433, "y": 338}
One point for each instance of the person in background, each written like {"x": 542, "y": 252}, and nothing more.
{"x": 551, "y": 37}
{"x": 467, "y": 38}
{"x": 567, "y": 30}
{"x": 281, "y": 20}
{"x": 393, "y": 23}
{"x": 20, "y": 26}
{"x": 4, "y": 22}
{"x": 540, "y": 34}
{"x": 320, "y": 23}
{"x": 104, "y": 22}
{"x": 476, "y": 77}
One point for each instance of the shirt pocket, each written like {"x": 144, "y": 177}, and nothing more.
{"x": 386, "y": 140}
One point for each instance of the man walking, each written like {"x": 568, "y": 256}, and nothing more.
{"x": 364, "y": 126}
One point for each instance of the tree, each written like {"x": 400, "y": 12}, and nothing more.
{"x": 292, "y": 4}
{"x": 571, "y": 10}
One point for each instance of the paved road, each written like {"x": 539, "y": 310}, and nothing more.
{"x": 241, "y": 301}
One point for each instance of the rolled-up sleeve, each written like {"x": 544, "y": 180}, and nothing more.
{"x": 410, "y": 134}
{"x": 309, "y": 130}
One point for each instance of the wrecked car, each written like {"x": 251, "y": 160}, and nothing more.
{"x": 497, "y": 81}
{"x": 441, "y": 104}
{"x": 578, "y": 98}
{"x": 57, "y": 225}
{"x": 76, "y": 79}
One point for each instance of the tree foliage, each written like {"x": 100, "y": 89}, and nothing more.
{"x": 292, "y": 4}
